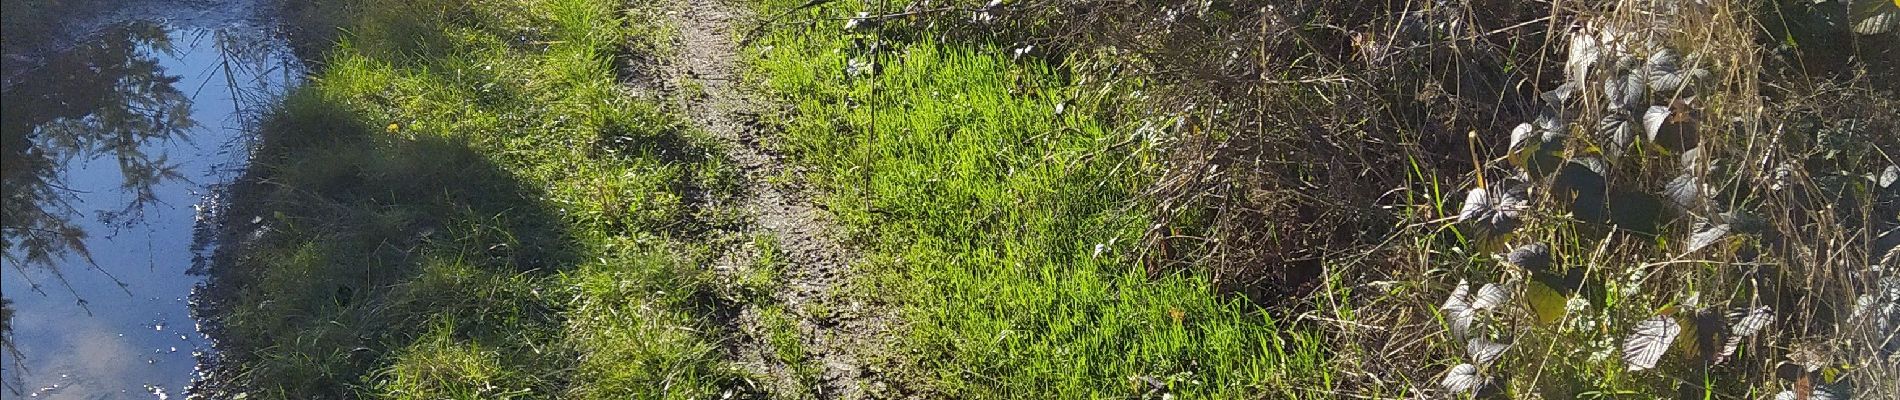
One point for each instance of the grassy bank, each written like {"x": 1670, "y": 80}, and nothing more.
{"x": 1003, "y": 161}
{"x": 1003, "y": 216}
{"x": 463, "y": 202}
{"x": 1242, "y": 200}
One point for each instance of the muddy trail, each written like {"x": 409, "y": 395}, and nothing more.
{"x": 839, "y": 333}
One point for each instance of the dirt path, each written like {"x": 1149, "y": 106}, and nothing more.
{"x": 836, "y": 331}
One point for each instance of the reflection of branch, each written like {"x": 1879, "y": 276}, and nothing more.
{"x": 62, "y": 282}
{"x": 85, "y": 254}
{"x": 35, "y": 286}
{"x": 6, "y": 341}
{"x": 112, "y": 97}
{"x": 39, "y": 230}
{"x": 56, "y": 185}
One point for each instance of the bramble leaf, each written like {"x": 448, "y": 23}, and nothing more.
{"x": 1484, "y": 352}
{"x": 1651, "y": 338}
{"x": 1464, "y": 378}
{"x": 1531, "y": 256}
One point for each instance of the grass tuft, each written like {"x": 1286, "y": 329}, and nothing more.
{"x": 464, "y": 203}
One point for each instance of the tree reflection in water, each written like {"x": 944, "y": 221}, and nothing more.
{"x": 77, "y": 106}
{"x": 105, "y": 98}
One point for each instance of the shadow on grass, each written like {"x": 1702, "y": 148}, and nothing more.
{"x": 351, "y": 241}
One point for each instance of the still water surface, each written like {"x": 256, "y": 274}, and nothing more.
{"x": 115, "y": 145}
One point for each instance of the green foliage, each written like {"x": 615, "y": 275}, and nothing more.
{"x": 436, "y": 367}
{"x": 462, "y": 203}
{"x": 983, "y": 207}
{"x": 466, "y": 202}
{"x": 636, "y": 325}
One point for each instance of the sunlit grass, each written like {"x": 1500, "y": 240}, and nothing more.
{"x": 464, "y": 203}
{"x": 982, "y": 208}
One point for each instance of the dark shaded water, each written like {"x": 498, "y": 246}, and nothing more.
{"x": 115, "y": 140}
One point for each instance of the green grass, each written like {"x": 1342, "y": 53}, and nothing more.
{"x": 464, "y": 203}
{"x": 981, "y": 207}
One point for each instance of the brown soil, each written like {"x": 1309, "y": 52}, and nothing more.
{"x": 841, "y": 330}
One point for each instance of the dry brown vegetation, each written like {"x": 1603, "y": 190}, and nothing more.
{"x": 1321, "y": 150}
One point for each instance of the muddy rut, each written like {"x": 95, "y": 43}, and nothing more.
{"x": 839, "y": 333}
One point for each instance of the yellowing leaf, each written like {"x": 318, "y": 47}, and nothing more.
{"x": 1546, "y": 302}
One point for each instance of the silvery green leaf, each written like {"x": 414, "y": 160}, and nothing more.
{"x": 1523, "y": 135}
{"x": 1484, "y": 352}
{"x": 1881, "y": 311}
{"x": 1751, "y": 321}
{"x": 1886, "y": 248}
{"x": 1588, "y": 49}
{"x": 1616, "y": 127}
{"x": 1490, "y": 296}
{"x": 1463, "y": 378}
{"x": 1836, "y": 391}
{"x": 1531, "y": 256}
{"x": 1707, "y": 233}
{"x": 1819, "y": 393}
{"x": 1743, "y": 222}
{"x": 1666, "y": 84}
{"x": 1556, "y": 112}
{"x": 1874, "y": 17}
{"x": 1626, "y": 91}
{"x": 1669, "y": 84}
{"x": 1887, "y": 177}
{"x": 1477, "y": 203}
{"x": 1667, "y": 76}
{"x": 1460, "y": 296}
{"x": 1664, "y": 60}
{"x": 1560, "y": 96}
{"x": 1747, "y": 323}
{"x": 1686, "y": 191}
{"x": 1458, "y": 311}
{"x": 1646, "y": 345}
{"x": 1691, "y": 160}
{"x": 1551, "y": 123}
{"x": 1593, "y": 165}
{"x": 1497, "y": 213}
{"x": 1653, "y": 121}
